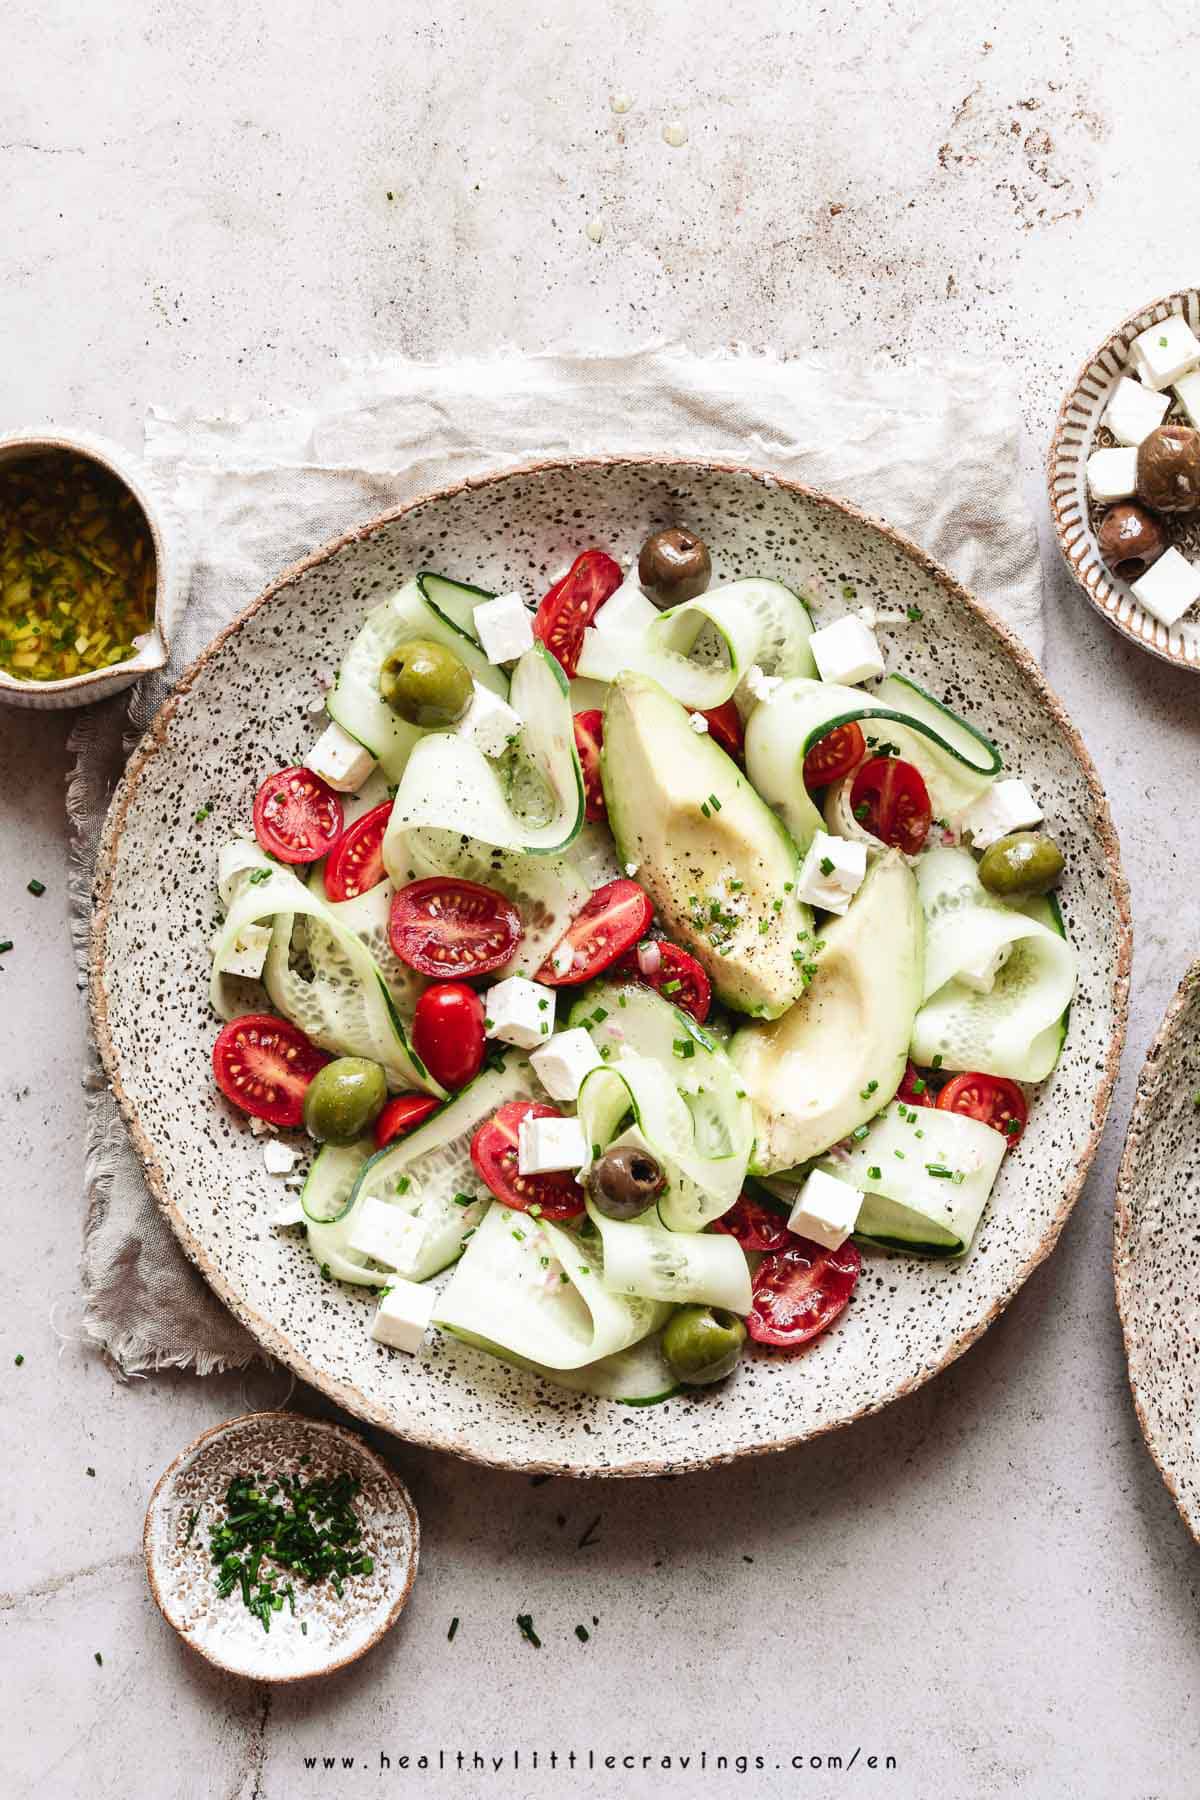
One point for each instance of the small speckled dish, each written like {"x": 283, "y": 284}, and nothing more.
{"x": 171, "y": 566}
{"x": 326, "y": 1632}
{"x": 1154, "y": 1249}
{"x": 244, "y": 706}
{"x": 1077, "y": 433}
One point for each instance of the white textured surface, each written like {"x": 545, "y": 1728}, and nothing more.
{"x": 196, "y": 211}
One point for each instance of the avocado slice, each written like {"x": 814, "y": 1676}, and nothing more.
{"x": 838, "y": 1056}
{"x": 714, "y": 859}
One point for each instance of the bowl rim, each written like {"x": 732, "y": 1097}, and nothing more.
{"x": 1072, "y": 530}
{"x": 39, "y": 438}
{"x": 1150, "y": 1080}
{"x": 275, "y": 1342}
{"x": 323, "y": 1427}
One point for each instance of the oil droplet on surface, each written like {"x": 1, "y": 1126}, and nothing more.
{"x": 621, "y": 103}
{"x": 675, "y": 134}
{"x": 595, "y": 229}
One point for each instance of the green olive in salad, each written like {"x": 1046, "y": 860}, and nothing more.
{"x": 1021, "y": 866}
{"x": 703, "y": 1343}
{"x": 344, "y": 1099}
{"x": 426, "y": 684}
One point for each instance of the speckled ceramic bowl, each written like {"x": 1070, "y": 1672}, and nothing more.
{"x": 243, "y": 708}
{"x": 325, "y": 1631}
{"x": 171, "y": 565}
{"x": 1154, "y": 1249}
{"x": 1072, "y": 443}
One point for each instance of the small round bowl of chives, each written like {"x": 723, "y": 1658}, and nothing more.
{"x": 280, "y": 1547}
{"x": 92, "y": 569}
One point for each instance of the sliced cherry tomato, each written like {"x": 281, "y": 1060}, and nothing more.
{"x": 675, "y": 975}
{"x": 755, "y": 1226}
{"x": 801, "y": 1290}
{"x": 615, "y": 917}
{"x": 589, "y": 736}
{"x": 356, "y": 861}
{"x": 402, "y": 1114}
{"x": 264, "y": 1065}
{"x": 452, "y": 929}
{"x": 890, "y": 798}
{"x": 910, "y": 1091}
{"x": 573, "y": 603}
{"x": 725, "y": 728}
{"x": 494, "y": 1153}
{"x": 297, "y": 817}
{"x": 834, "y": 756}
{"x": 992, "y": 1099}
{"x": 447, "y": 1033}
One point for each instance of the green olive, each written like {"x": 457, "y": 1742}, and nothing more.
{"x": 624, "y": 1182}
{"x": 703, "y": 1343}
{"x": 674, "y": 566}
{"x": 1021, "y": 865}
{"x": 344, "y": 1099}
{"x": 426, "y": 683}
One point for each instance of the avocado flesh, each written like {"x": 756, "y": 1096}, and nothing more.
{"x": 810, "y": 1074}
{"x": 658, "y": 774}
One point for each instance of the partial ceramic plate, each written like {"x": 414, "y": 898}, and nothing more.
{"x": 1154, "y": 1250}
{"x": 325, "y": 1632}
{"x": 244, "y": 708}
{"x": 1070, "y": 447}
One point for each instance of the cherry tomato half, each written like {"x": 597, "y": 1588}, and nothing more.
{"x": 992, "y": 1099}
{"x": 402, "y": 1114}
{"x": 264, "y": 1065}
{"x": 297, "y": 817}
{"x": 676, "y": 975}
{"x": 589, "y": 736}
{"x": 451, "y": 929}
{"x": 834, "y": 756}
{"x": 755, "y": 1226}
{"x": 573, "y": 603}
{"x": 801, "y": 1290}
{"x": 890, "y": 798}
{"x": 914, "y": 1089}
{"x": 494, "y": 1153}
{"x": 447, "y": 1033}
{"x": 356, "y": 861}
{"x": 725, "y": 728}
{"x": 615, "y": 917}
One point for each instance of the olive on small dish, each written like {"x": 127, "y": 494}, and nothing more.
{"x": 1168, "y": 469}
{"x": 674, "y": 566}
{"x": 426, "y": 683}
{"x": 1021, "y": 866}
{"x": 703, "y": 1343}
{"x": 344, "y": 1099}
{"x": 1130, "y": 539}
{"x": 624, "y": 1182}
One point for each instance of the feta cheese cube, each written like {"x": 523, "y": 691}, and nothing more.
{"x": 698, "y": 723}
{"x": 760, "y": 684}
{"x": 631, "y": 869}
{"x": 261, "y": 1127}
{"x": 340, "y": 760}
{"x": 489, "y": 721}
{"x": 547, "y": 1144}
{"x": 832, "y": 872}
{"x": 387, "y": 1235}
{"x": 519, "y": 1011}
{"x": 826, "y": 1210}
{"x": 279, "y": 1159}
{"x": 1112, "y": 474}
{"x": 1133, "y": 411}
{"x": 1187, "y": 392}
{"x": 504, "y": 627}
{"x": 1164, "y": 352}
{"x": 561, "y": 1064}
{"x": 290, "y": 1213}
{"x": 846, "y": 651}
{"x": 248, "y": 952}
{"x": 1006, "y": 806}
{"x": 628, "y": 609}
{"x": 403, "y": 1315}
{"x": 1169, "y": 586}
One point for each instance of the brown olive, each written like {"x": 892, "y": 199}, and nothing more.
{"x": 1168, "y": 469}
{"x": 1130, "y": 539}
{"x": 624, "y": 1182}
{"x": 674, "y": 566}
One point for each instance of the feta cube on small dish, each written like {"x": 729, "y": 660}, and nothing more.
{"x": 846, "y": 651}
{"x": 1006, "y": 806}
{"x": 1112, "y": 474}
{"x": 248, "y": 952}
{"x": 826, "y": 1210}
{"x": 519, "y": 1011}
{"x": 1169, "y": 586}
{"x": 1133, "y": 411}
{"x": 504, "y": 627}
{"x": 290, "y": 1213}
{"x": 387, "y": 1235}
{"x": 339, "y": 760}
{"x": 1187, "y": 392}
{"x": 279, "y": 1158}
{"x": 832, "y": 872}
{"x": 1164, "y": 352}
{"x": 561, "y": 1063}
{"x": 544, "y": 1145}
{"x": 489, "y": 722}
{"x": 403, "y": 1315}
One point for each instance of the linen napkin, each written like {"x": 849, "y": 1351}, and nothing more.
{"x": 935, "y": 453}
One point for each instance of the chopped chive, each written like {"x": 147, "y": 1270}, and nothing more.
{"x": 403, "y": 1185}
{"x": 915, "y": 614}
{"x": 939, "y": 1171}
{"x": 99, "y": 1659}
{"x": 937, "y": 1061}
{"x": 37, "y": 888}
{"x": 6, "y": 946}
{"x": 714, "y": 803}
{"x": 874, "y": 1173}
{"x": 918, "y": 1085}
{"x": 525, "y": 1627}
{"x": 18, "y": 1359}
{"x": 865, "y": 1093}
{"x": 202, "y": 813}
{"x": 582, "y": 1633}
{"x": 860, "y": 1132}
{"x": 704, "y": 809}
{"x": 452, "y": 1630}
{"x": 826, "y": 865}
